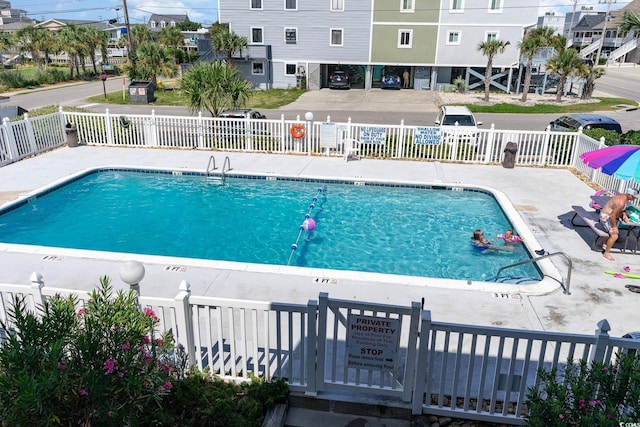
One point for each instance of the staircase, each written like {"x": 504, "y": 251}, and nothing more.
{"x": 623, "y": 50}
{"x": 590, "y": 49}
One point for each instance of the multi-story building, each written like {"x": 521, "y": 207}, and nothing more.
{"x": 436, "y": 41}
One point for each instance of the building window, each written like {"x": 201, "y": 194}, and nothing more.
{"x": 163, "y": 24}
{"x": 456, "y": 6}
{"x": 256, "y": 35}
{"x": 337, "y": 5}
{"x": 153, "y": 24}
{"x": 453, "y": 37}
{"x": 291, "y": 35}
{"x": 490, "y": 36}
{"x": 289, "y": 69}
{"x": 256, "y": 4}
{"x": 291, "y": 4}
{"x": 257, "y": 68}
{"x": 495, "y": 6}
{"x": 336, "y": 37}
{"x": 172, "y": 23}
{"x": 406, "y": 5}
{"x": 405, "y": 38}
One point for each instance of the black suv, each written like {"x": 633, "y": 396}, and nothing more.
{"x": 339, "y": 80}
{"x": 572, "y": 122}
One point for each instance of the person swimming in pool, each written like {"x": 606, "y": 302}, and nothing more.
{"x": 481, "y": 243}
{"x": 508, "y": 237}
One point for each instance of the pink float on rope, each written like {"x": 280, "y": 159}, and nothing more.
{"x": 309, "y": 224}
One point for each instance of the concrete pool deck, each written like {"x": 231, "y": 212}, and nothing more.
{"x": 543, "y": 198}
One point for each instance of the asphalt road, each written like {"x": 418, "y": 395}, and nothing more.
{"x": 621, "y": 82}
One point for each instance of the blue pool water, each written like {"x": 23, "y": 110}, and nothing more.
{"x": 386, "y": 229}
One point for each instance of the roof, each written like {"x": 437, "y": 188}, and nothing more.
{"x": 589, "y": 22}
{"x": 176, "y": 18}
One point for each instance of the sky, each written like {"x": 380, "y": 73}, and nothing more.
{"x": 205, "y": 11}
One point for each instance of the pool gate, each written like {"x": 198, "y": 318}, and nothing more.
{"x": 394, "y": 355}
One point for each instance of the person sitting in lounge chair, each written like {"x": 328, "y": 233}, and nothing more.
{"x": 610, "y": 214}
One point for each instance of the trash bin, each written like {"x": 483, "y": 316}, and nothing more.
{"x": 510, "y": 151}
{"x": 72, "y": 134}
{"x": 141, "y": 91}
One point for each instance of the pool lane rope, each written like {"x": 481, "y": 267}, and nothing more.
{"x": 308, "y": 224}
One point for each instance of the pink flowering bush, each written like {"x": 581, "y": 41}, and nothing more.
{"x": 587, "y": 395}
{"x": 99, "y": 365}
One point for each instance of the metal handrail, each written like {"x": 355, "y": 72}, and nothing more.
{"x": 227, "y": 163}
{"x": 535, "y": 260}
{"x": 212, "y": 162}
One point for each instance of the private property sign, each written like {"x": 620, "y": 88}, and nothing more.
{"x": 372, "y": 342}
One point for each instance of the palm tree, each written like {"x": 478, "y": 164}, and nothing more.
{"x": 630, "y": 22}
{"x": 490, "y": 49}
{"x": 37, "y": 41}
{"x": 152, "y": 60}
{"x": 171, "y": 37}
{"x": 530, "y": 44}
{"x": 96, "y": 39}
{"x": 214, "y": 87}
{"x": 564, "y": 64}
{"x": 229, "y": 43}
{"x": 67, "y": 38}
{"x": 140, "y": 34}
{"x": 589, "y": 74}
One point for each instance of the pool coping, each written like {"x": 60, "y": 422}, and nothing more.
{"x": 552, "y": 279}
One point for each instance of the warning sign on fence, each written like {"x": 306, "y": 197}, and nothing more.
{"x": 372, "y": 342}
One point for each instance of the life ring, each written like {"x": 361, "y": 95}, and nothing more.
{"x": 297, "y": 130}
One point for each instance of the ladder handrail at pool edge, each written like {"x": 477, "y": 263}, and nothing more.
{"x": 535, "y": 260}
{"x": 227, "y": 163}
{"x": 212, "y": 162}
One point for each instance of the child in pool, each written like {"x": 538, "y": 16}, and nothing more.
{"x": 509, "y": 237}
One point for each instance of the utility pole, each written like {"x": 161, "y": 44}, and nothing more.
{"x": 604, "y": 29}
{"x": 128, "y": 27}
{"x": 573, "y": 15}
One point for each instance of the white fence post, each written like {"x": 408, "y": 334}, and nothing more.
{"x": 312, "y": 348}
{"x": 490, "y": 138}
{"x": 545, "y": 146}
{"x": 30, "y": 135}
{"x": 321, "y": 346}
{"x": 185, "y": 321}
{"x": 11, "y": 140}
{"x": 412, "y": 351}
{"x": 421, "y": 364}
{"x": 200, "y": 129}
{"x": 400, "y": 145}
{"x": 108, "y": 125}
{"x": 602, "y": 341}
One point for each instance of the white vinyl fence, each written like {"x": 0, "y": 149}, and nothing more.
{"x": 19, "y": 139}
{"x": 368, "y": 349}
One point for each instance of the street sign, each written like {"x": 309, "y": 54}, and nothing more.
{"x": 103, "y": 76}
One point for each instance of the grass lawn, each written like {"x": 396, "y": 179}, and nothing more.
{"x": 605, "y": 104}
{"x": 265, "y": 99}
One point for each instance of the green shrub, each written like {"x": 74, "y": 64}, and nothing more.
{"x": 460, "y": 84}
{"x": 631, "y": 137}
{"x": 611, "y": 137}
{"x": 102, "y": 365}
{"x": 599, "y": 394}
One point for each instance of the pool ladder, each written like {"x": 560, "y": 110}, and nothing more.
{"x": 211, "y": 167}
{"x": 565, "y": 285}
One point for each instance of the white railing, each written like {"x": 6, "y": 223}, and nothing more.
{"x": 31, "y": 136}
{"x": 623, "y": 50}
{"x": 467, "y": 371}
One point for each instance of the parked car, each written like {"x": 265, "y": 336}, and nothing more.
{"x": 235, "y": 126}
{"x": 242, "y": 113}
{"x": 339, "y": 80}
{"x": 572, "y": 122}
{"x": 457, "y": 121}
{"x": 391, "y": 81}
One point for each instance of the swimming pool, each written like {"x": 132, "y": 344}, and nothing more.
{"x": 411, "y": 230}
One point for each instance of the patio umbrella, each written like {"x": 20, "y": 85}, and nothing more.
{"x": 621, "y": 161}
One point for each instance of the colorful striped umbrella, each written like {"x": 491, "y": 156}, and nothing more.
{"x": 621, "y": 161}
